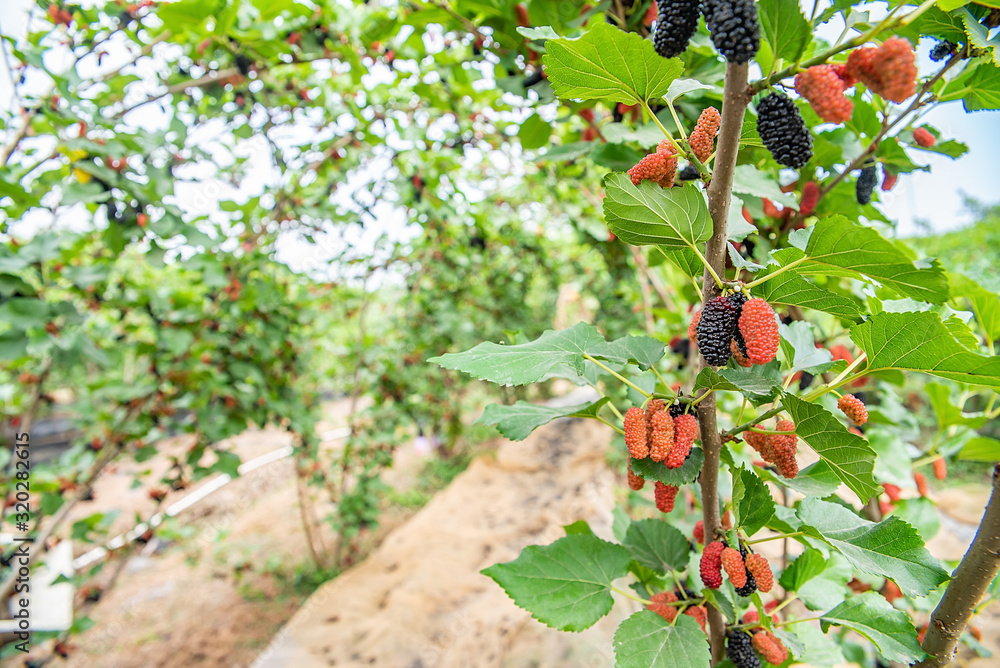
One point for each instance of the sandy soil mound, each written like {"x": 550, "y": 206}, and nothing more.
{"x": 419, "y": 600}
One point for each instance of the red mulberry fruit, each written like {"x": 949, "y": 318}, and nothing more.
{"x": 921, "y": 481}
{"x": 892, "y": 491}
{"x": 783, "y": 131}
{"x": 711, "y": 565}
{"x": 757, "y": 564}
{"x": 785, "y": 447}
{"x": 685, "y": 431}
{"x": 940, "y": 469}
{"x": 653, "y": 406}
{"x": 810, "y": 198}
{"x": 660, "y": 604}
{"x": 732, "y": 561}
{"x": 924, "y": 138}
{"x": 739, "y": 650}
{"x": 715, "y": 330}
{"x": 734, "y": 348}
{"x": 702, "y": 138}
{"x": 635, "y": 481}
{"x": 699, "y": 532}
{"x": 853, "y": 408}
{"x": 889, "y": 70}
{"x": 760, "y": 331}
{"x": 770, "y": 647}
{"x": 652, "y": 167}
{"x": 700, "y": 614}
{"x": 676, "y": 22}
{"x": 635, "y": 433}
{"x": 734, "y": 28}
{"x": 727, "y": 521}
{"x": 761, "y": 443}
{"x": 825, "y": 91}
{"x": 888, "y": 180}
{"x": 662, "y": 436}
{"x": 841, "y": 71}
{"x": 693, "y": 328}
{"x": 665, "y": 496}
{"x": 866, "y": 183}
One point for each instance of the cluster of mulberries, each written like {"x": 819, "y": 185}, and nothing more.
{"x": 866, "y": 183}
{"x": 924, "y": 138}
{"x": 759, "y": 328}
{"x": 824, "y": 90}
{"x": 783, "y": 131}
{"x": 777, "y": 449}
{"x": 665, "y": 495}
{"x": 734, "y": 28}
{"x": 676, "y": 22}
{"x": 702, "y": 138}
{"x": 853, "y": 408}
{"x": 889, "y": 70}
{"x": 659, "y": 166}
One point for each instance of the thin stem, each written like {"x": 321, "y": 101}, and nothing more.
{"x": 780, "y": 270}
{"x": 708, "y": 267}
{"x": 771, "y": 431}
{"x": 677, "y": 120}
{"x": 778, "y": 537}
{"x": 798, "y": 621}
{"x": 618, "y": 376}
{"x": 618, "y": 429}
{"x": 666, "y": 133}
{"x": 660, "y": 378}
{"x": 628, "y": 595}
{"x": 788, "y": 601}
{"x": 680, "y": 586}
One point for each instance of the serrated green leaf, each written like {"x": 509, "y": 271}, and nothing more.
{"x": 646, "y": 640}
{"x": 516, "y": 422}
{"x": 538, "y": 33}
{"x": 565, "y": 585}
{"x": 838, "y": 243}
{"x": 947, "y": 413}
{"x": 757, "y": 383}
{"x": 784, "y": 27}
{"x": 890, "y": 548}
{"x": 749, "y": 180}
{"x": 606, "y": 63}
{"x": 752, "y": 502}
{"x": 792, "y": 289}
{"x": 872, "y": 616}
{"x": 644, "y": 351}
{"x": 799, "y": 347}
{"x": 684, "y": 259}
{"x": 921, "y": 514}
{"x": 650, "y": 215}
{"x": 657, "y": 545}
{"x": 817, "y": 479}
{"x": 682, "y": 475}
{"x": 980, "y": 449}
{"x": 680, "y": 87}
{"x": 525, "y": 363}
{"x": 849, "y": 456}
{"x": 921, "y": 342}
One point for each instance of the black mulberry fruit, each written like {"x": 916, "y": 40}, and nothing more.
{"x": 739, "y": 650}
{"x": 734, "y": 28}
{"x": 783, "y": 131}
{"x": 942, "y": 50}
{"x": 689, "y": 173}
{"x": 751, "y": 583}
{"x": 866, "y": 184}
{"x": 676, "y": 21}
{"x": 715, "y": 330}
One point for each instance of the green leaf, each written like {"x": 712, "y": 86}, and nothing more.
{"x": 817, "y": 479}
{"x": 651, "y": 215}
{"x": 749, "y": 180}
{"x": 838, "y": 242}
{"x": 608, "y": 64}
{"x": 534, "y": 132}
{"x": 817, "y": 580}
{"x": 518, "y": 421}
{"x": 644, "y": 351}
{"x": 752, "y": 502}
{"x": 680, "y": 87}
{"x": 539, "y": 33}
{"x": 792, "y": 289}
{"x": 980, "y": 449}
{"x": 921, "y": 342}
{"x": 890, "y": 548}
{"x": 848, "y": 455}
{"x": 947, "y": 413}
{"x": 646, "y": 640}
{"x": 921, "y": 514}
{"x": 800, "y": 349}
{"x": 684, "y": 259}
{"x": 565, "y": 585}
{"x": 757, "y": 383}
{"x": 682, "y": 475}
{"x": 657, "y": 545}
{"x": 784, "y": 27}
{"x": 525, "y": 363}
{"x": 578, "y": 527}
{"x": 872, "y": 616}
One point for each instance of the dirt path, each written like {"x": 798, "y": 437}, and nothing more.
{"x": 419, "y": 600}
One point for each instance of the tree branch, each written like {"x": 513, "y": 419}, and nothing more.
{"x": 969, "y": 582}
{"x": 735, "y": 98}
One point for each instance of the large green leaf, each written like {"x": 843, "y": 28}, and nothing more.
{"x": 606, "y": 63}
{"x": 657, "y": 545}
{"x": 517, "y": 421}
{"x": 650, "y": 215}
{"x": 798, "y": 346}
{"x": 784, "y": 27}
{"x": 525, "y": 363}
{"x": 791, "y": 288}
{"x": 644, "y": 351}
{"x": 820, "y": 582}
{"x": 848, "y": 455}
{"x": 752, "y": 502}
{"x": 567, "y": 584}
{"x": 754, "y": 382}
{"x": 840, "y": 243}
{"x": 682, "y": 475}
{"x": 892, "y": 548}
{"x": 872, "y": 616}
{"x": 946, "y": 412}
{"x": 922, "y": 342}
{"x": 646, "y": 640}
{"x": 980, "y": 449}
